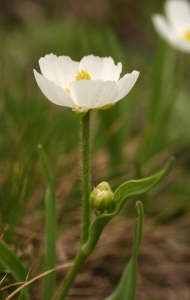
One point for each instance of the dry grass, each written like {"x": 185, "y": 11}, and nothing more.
{"x": 164, "y": 259}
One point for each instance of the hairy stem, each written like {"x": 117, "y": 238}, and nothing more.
{"x": 86, "y": 188}
{"x": 86, "y": 176}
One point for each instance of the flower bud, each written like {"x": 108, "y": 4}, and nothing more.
{"x": 101, "y": 197}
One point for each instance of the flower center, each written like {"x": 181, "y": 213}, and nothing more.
{"x": 186, "y": 35}
{"x": 83, "y": 75}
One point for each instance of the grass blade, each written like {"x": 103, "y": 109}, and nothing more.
{"x": 11, "y": 262}
{"x": 50, "y": 220}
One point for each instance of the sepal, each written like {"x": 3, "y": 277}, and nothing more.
{"x": 106, "y": 106}
{"x": 80, "y": 111}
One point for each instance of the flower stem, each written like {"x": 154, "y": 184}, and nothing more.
{"x": 86, "y": 188}
{"x": 86, "y": 176}
{"x": 70, "y": 277}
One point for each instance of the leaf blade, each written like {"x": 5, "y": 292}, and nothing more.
{"x": 10, "y": 261}
{"x": 126, "y": 288}
{"x": 51, "y": 226}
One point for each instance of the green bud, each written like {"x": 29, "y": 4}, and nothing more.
{"x": 101, "y": 197}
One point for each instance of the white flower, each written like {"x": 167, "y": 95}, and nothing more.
{"x": 175, "y": 28}
{"x": 92, "y": 83}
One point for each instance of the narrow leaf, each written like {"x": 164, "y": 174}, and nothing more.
{"x": 50, "y": 225}
{"x": 141, "y": 186}
{"x": 139, "y": 226}
{"x": 12, "y": 263}
{"x": 126, "y": 289}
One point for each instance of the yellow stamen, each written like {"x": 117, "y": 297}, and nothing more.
{"x": 68, "y": 90}
{"x": 186, "y": 35}
{"x": 83, "y": 75}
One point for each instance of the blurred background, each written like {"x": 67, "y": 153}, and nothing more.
{"x": 130, "y": 141}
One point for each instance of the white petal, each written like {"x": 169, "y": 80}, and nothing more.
{"x": 93, "y": 93}
{"x": 164, "y": 29}
{"x": 183, "y": 45}
{"x": 178, "y": 14}
{"x": 59, "y": 69}
{"x": 102, "y": 68}
{"x": 125, "y": 84}
{"x": 53, "y": 92}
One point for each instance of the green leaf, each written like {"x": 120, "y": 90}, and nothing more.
{"x": 121, "y": 195}
{"x": 126, "y": 289}
{"x": 51, "y": 226}
{"x": 138, "y": 187}
{"x": 12, "y": 263}
{"x": 139, "y": 227}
